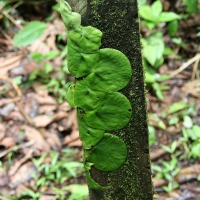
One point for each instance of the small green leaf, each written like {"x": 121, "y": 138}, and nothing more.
{"x": 187, "y": 122}
{"x": 163, "y": 78}
{"x": 177, "y": 107}
{"x": 150, "y": 54}
{"x": 149, "y": 78}
{"x": 109, "y": 154}
{"x": 71, "y": 96}
{"x": 29, "y": 33}
{"x": 168, "y": 16}
{"x": 192, "y": 6}
{"x": 196, "y": 130}
{"x": 156, "y": 8}
{"x": 145, "y": 12}
{"x": 172, "y": 27}
{"x": 152, "y": 135}
{"x": 173, "y": 120}
{"x": 72, "y": 20}
{"x": 178, "y": 41}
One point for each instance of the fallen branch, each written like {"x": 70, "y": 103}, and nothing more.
{"x": 185, "y": 65}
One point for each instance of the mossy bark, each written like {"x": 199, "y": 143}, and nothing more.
{"x": 119, "y": 22}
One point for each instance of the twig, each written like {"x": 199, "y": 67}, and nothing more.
{"x": 15, "y": 86}
{"x": 185, "y": 65}
{"x": 12, "y": 19}
{"x": 26, "y": 116}
{"x": 27, "y": 144}
{"x": 6, "y": 35}
{"x": 195, "y": 67}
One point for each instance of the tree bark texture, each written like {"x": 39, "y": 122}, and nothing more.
{"x": 119, "y": 22}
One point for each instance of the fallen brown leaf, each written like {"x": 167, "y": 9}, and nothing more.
{"x": 158, "y": 182}
{"x": 23, "y": 175}
{"x": 34, "y": 135}
{"x": 60, "y": 115}
{"x": 72, "y": 137}
{"x": 192, "y": 88}
{"x": 15, "y": 116}
{"x": 2, "y": 131}
{"x": 9, "y": 62}
{"x": 4, "y": 179}
{"x": 7, "y": 142}
{"x": 47, "y": 109}
{"x": 53, "y": 140}
{"x": 76, "y": 143}
{"x": 188, "y": 173}
{"x": 43, "y": 100}
{"x": 64, "y": 107}
{"x": 42, "y": 120}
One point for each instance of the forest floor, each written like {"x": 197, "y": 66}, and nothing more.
{"x": 38, "y": 129}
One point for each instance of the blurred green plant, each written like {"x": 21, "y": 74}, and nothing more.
{"x": 55, "y": 80}
{"x": 54, "y": 174}
{"x": 31, "y": 32}
{"x": 154, "y": 14}
{"x": 192, "y": 6}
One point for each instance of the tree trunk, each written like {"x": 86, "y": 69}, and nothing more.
{"x": 119, "y": 22}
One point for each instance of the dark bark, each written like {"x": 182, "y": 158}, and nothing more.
{"x": 119, "y": 22}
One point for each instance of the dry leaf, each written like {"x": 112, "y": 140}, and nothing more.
{"x": 4, "y": 180}
{"x": 46, "y": 99}
{"x": 6, "y": 110}
{"x": 42, "y": 120}
{"x": 53, "y": 140}
{"x": 192, "y": 87}
{"x": 72, "y": 137}
{"x": 188, "y": 173}
{"x": 47, "y": 109}
{"x": 15, "y": 116}
{"x": 2, "y": 131}
{"x": 64, "y": 107}
{"x": 9, "y": 62}
{"x": 76, "y": 143}
{"x": 60, "y": 115}
{"x": 33, "y": 134}
{"x": 23, "y": 175}
{"x": 8, "y": 142}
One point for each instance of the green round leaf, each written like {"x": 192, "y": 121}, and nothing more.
{"x": 70, "y": 95}
{"x": 112, "y": 113}
{"x": 80, "y": 64}
{"x": 89, "y": 136}
{"x": 72, "y": 20}
{"x": 109, "y": 154}
{"x": 92, "y": 98}
{"x": 112, "y": 73}
{"x": 87, "y": 39}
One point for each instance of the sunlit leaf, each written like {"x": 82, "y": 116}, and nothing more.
{"x": 29, "y": 33}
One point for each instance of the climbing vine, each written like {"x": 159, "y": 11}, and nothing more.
{"x": 100, "y": 74}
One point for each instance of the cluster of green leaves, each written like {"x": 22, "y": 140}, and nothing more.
{"x": 179, "y": 114}
{"x": 55, "y": 174}
{"x": 153, "y": 47}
